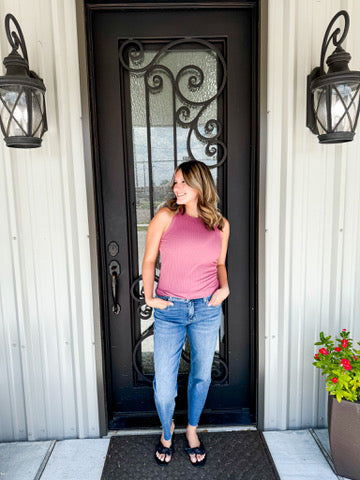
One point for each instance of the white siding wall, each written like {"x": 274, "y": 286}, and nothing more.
{"x": 47, "y": 357}
{"x": 312, "y": 239}
{"x": 312, "y": 255}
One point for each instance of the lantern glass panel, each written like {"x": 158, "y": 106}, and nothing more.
{"x": 336, "y": 107}
{"x": 344, "y": 105}
{"x": 320, "y": 109}
{"x": 14, "y": 112}
{"x": 21, "y": 110}
{"x": 38, "y": 102}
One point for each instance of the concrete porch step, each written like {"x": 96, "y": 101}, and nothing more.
{"x": 296, "y": 454}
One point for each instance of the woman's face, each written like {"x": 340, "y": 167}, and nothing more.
{"x": 184, "y": 194}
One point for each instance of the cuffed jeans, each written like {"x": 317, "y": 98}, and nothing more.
{"x": 201, "y": 322}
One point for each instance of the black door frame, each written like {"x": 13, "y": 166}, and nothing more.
{"x": 90, "y": 143}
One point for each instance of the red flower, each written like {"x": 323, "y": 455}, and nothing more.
{"x": 344, "y": 343}
{"x": 334, "y": 380}
{"x": 346, "y": 364}
{"x": 338, "y": 349}
{"x": 317, "y": 356}
{"x": 355, "y": 358}
{"x": 323, "y": 351}
{"x": 344, "y": 329}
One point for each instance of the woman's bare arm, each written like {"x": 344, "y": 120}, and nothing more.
{"x": 157, "y": 227}
{"x": 223, "y": 291}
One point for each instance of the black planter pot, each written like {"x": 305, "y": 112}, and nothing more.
{"x": 344, "y": 436}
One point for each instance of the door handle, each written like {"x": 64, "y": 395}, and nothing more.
{"x": 114, "y": 271}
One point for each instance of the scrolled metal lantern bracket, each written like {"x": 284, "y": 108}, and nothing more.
{"x": 333, "y": 97}
{"x": 22, "y": 95}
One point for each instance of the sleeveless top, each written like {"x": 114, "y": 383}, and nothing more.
{"x": 189, "y": 254}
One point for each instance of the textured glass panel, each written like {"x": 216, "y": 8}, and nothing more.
{"x": 173, "y": 120}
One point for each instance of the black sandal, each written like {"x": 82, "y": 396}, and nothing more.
{"x": 160, "y": 448}
{"x": 196, "y": 451}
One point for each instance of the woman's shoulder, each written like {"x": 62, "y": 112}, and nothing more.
{"x": 165, "y": 214}
{"x": 163, "y": 218}
{"x": 226, "y": 222}
{"x": 226, "y": 228}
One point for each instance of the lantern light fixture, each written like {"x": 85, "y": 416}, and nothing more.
{"x": 22, "y": 95}
{"x": 333, "y": 97}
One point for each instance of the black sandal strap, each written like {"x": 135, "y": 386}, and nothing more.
{"x": 166, "y": 450}
{"x": 196, "y": 450}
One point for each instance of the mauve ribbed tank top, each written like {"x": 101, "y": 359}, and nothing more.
{"x": 189, "y": 254}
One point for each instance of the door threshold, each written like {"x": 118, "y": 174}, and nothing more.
{"x": 157, "y": 431}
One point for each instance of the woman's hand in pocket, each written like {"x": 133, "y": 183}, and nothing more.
{"x": 219, "y": 296}
{"x": 158, "y": 303}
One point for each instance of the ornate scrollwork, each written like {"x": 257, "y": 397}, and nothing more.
{"x": 137, "y": 293}
{"x": 191, "y": 113}
{"x": 219, "y": 371}
{"x": 147, "y": 333}
{"x": 334, "y": 37}
{"x": 16, "y": 39}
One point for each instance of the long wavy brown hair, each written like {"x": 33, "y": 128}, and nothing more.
{"x": 198, "y": 176}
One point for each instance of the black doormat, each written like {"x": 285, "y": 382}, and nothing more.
{"x": 231, "y": 455}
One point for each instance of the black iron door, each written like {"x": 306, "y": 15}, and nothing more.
{"x": 168, "y": 85}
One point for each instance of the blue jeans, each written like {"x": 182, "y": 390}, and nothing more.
{"x": 201, "y": 322}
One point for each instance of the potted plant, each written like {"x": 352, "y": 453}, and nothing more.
{"x": 340, "y": 362}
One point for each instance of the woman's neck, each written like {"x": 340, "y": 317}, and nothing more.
{"x": 191, "y": 210}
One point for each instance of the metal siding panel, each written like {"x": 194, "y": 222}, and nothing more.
{"x": 272, "y": 219}
{"x": 45, "y": 285}
{"x": 312, "y": 218}
{"x": 12, "y": 425}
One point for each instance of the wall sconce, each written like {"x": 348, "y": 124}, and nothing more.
{"x": 22, "y": 96}
{"x": 333, "y": 97}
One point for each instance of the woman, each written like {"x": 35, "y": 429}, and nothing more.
{"x": 192, "y": 237}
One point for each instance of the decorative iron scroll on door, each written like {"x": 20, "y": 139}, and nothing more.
{"x": 193, "y": 100}
{"x": 182, "y": 115}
